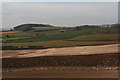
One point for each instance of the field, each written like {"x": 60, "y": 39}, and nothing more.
{"x": 86, "y": 50}
{"x": 81, "y": 62}
{"x": 50, "y": 37}
{"x": 63, "y": 74}
{"x": 33, "y": 51}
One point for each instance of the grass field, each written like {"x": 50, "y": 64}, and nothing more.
{"x": 60, "y": 43}
{"x": 19, "y": 48}
{"x": 60, "y": 37}
{"x": 98, "y": 37}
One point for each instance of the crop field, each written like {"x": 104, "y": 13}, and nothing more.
{"x": 86, "y": 40}
{"x": 48, "y": 46}
{"x": 49, "y": 37}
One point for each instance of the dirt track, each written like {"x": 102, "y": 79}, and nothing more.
{"x": 63, "y": 74}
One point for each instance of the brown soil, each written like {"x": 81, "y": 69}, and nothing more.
{"x": 89, "y": 56}
{"x": 63, "y": 74}
{"x": 76, "y": 60}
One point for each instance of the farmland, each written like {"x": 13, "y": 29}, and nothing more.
{"x": 54, "y": 36}
{"x": 45, "y": 47}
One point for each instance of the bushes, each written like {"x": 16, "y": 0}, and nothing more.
{"x": 21, "y": 48}
{"x": 35, "y": 47}
{"x": 9, "y": 47}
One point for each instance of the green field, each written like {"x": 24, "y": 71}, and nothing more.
{"x": 98, "y": 37}
{"x": 61, "y": 36}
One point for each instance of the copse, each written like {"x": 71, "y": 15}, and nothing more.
{"x": 35, "y": 47}
{"x": 9, "y": 47}
{"x": 86, "y": 27}
{"x": 26, "y": 27}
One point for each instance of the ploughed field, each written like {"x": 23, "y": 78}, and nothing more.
{"x": 104, "y": 55}
{"x": 42, "y": 47}
{"x": 69, "y": 62}
{"x": 78, "y": 60}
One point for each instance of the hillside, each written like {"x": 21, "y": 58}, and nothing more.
{"x": 48, "y": 36}
{"x": 26, "y": 27}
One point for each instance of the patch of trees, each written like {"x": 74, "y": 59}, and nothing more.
{"x": 8, "y": 36}
{"x": 22, "y": 28}
{"x": 27, "y": 27}
{"x": 98, "y": 26}
{"x": 85, "y": 26}
{"x": 35, "y": 47}
{"x": 44, "y": 30}
{"x": 9, "y": 48}
{"x": 115, "y": 25}
{"x": 21, "y": 48}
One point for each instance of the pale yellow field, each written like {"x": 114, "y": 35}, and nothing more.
{"x": 83, "y": 50}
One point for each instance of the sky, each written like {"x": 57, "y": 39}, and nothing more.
{"x": 60, "y": 0}
{"x": 59, "y": 13}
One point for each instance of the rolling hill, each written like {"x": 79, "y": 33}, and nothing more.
{"x": 55, "y": 36}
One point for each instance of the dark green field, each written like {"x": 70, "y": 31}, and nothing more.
{"x": 52, "y": 36}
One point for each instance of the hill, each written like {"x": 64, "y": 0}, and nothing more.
{"x": 26, "y": 27}
{"x": 47, "y": 36}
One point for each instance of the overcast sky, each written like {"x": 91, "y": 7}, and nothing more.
{"x": 61, "y": 14}
{"x": 59, "y": 0}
